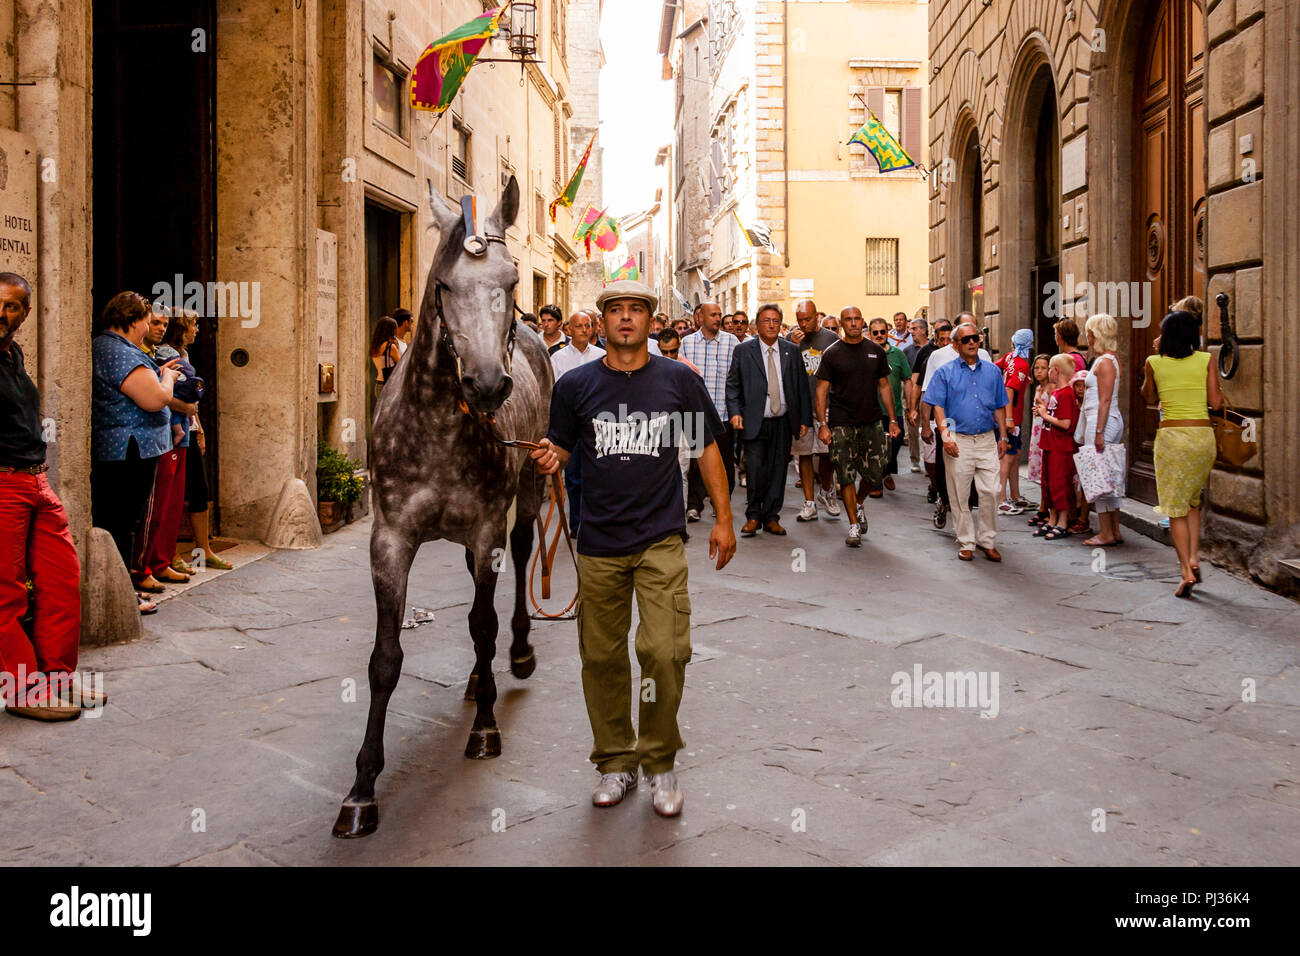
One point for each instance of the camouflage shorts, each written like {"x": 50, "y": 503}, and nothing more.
{"x": 859, "y": 451}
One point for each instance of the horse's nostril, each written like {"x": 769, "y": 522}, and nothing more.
{"x": 469, "y": 386}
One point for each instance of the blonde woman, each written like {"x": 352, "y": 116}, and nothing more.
{"x": 1103, "y": 423}
{"x": 1186, "y": 384}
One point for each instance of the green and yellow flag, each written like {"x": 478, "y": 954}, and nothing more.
{"x": 882, "y": 145}
{"x": 445, "y": 63}
{"x": 570, "y": 194}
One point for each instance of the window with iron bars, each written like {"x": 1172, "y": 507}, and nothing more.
{"x": 882, "y": 267}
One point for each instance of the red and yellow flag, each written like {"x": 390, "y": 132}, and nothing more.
{"x": 570, "y": 194}
{"x": 627, "y": 270}
{"x": 445, "y": 63}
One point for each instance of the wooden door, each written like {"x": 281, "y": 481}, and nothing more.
{"x": 1169, "y": 194}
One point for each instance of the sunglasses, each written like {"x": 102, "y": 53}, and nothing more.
{"x": 671, "y": 353}
{"x": 879, "y": 334}
{"x": 968, "y": 339}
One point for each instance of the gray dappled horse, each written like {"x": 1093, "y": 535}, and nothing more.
{"x": 438, "y": 470}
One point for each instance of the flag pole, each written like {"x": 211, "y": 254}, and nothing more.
{"x": 923, "y": 170}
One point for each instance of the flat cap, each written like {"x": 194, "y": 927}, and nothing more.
{"x": 627, "y": 289}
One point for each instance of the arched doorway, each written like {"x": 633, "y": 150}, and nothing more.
{"x": 1169, "y": 192}
{"x": 1030, "y": 200}
{"x": 964, "y": 269}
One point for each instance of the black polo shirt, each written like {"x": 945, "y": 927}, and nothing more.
{"x": 21, "y": 440}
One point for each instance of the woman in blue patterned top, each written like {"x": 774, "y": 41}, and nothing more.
{"x": 130, "y": 426}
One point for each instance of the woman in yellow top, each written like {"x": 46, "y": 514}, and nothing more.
{"x": 1186, "y": 385}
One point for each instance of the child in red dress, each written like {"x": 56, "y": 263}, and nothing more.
{"x": 1060, "y": 414}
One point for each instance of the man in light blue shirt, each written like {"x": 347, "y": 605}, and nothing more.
{"x": 970, "y": 406}
{"x": 710, "y": 350}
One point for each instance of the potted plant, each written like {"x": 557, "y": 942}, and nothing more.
{"x": 337, "y": 485}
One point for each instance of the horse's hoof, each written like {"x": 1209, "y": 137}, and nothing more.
{"x": 523, "y": 667}
{"x": 471, "y": 687}
{"x": 483, "y": 744}
{"x": 357, "y": 820}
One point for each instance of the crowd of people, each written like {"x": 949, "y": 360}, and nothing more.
{"x": 934, "y": 389}
{"x": 147, "y": 444}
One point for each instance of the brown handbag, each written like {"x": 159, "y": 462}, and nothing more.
{"x": 1236, "y": 437}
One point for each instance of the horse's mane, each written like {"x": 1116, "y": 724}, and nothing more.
{"x": 449, "y": 247}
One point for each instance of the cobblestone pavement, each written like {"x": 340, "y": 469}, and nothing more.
{"x": 1117, "y": 704}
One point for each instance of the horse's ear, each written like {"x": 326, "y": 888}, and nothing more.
{"x": 445, "y": 216}
{"x": 504, "y": 214}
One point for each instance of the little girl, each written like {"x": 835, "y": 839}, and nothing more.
{"x": 1057, "y": 444}
{"x": 1041, "y": 388}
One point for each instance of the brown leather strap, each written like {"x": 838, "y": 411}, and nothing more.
{"x": 1186, "y": 423}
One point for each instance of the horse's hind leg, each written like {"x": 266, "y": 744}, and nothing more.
{"x": 390, "y": 562}
{"x": 522, "y": 660}
{"x": 485, "y": 737}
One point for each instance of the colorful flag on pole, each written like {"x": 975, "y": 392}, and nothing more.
{"x": 881, "y": 144}
{"x": 627, "y": 270}
{"x": 597, "y": 227}
{"x": 757, "y": 235}
{"x": 570, "y": 194}
{"x": 445, "y": 63}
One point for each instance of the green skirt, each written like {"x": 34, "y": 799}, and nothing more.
{"x": 1183, "y": 459}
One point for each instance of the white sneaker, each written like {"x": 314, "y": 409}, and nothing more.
{"x": 828, "y": 501}
{"x": 692, "y": 515}
{"x": 854, "y": 539}
{"x": 808, "y": 512}
{"x": 612, "y": 788}
{"x": 666, "y": 794}
{"x": 916, "y": 468}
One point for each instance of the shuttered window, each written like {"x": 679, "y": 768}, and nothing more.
{"x": 882, "y": 267}
{"x": 912, "y": 135}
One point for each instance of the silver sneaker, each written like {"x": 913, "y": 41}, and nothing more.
{"x": 808, "y": 512}
{"x": 666, "y": 794}
{"x": 612, "y": 788}
{"x": 828, "y": 501}
{"x": 854, "y": 539}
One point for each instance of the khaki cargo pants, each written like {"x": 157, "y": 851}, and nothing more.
{"x": 663, "y": 647}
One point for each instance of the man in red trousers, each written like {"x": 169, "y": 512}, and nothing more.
{"x": 37, "y": 673}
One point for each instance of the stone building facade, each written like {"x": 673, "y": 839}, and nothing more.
{"x": 585, "y": 58}
{"x": 280, "y": 155}
{"x": 687, "y": 62}
{"x": 787, "y": 83}
{"x": 1142, "y": 148}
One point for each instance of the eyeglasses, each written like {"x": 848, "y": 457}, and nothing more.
{"x": 968, "y": 339}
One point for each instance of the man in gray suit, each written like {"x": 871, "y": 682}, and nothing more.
{"x": 768, "y": 400}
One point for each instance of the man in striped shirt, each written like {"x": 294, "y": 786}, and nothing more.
{"x": 710, "y": 350}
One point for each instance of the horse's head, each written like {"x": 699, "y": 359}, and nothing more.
{"x": 472, "y": 296}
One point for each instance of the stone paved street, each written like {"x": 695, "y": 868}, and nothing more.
{"x": 1113, "y": 695}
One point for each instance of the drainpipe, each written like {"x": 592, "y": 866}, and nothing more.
{"x": 785, "y": 126}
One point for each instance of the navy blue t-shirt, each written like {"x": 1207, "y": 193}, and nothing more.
{"x": 628, "y": 424}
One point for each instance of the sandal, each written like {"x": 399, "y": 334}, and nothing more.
{"x": 154, "y": 588}
{"x": 1079, "y": 527}
{"x": 216, "y": 564}
{"x": 1044, "y": 530}
{"x": 1056, "y": 534}
{"x": 1094, "y": 543}
{"x": 166, "y": 578}
{"x": 146, "y": 607}
{"x": 1038, "y": 520}
{"x": 181, "y": 567}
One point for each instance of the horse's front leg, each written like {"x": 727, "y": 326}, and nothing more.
{"x": 522, "y": 660}
{"x": 391, "y": 555}
{"x": 485, "y": 737}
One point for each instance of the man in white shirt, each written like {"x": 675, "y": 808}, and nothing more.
{"x": 580, "y": 349}
{"x": 578, "y": 352}
{"x": 549, "y": 318}
{"x": 710, "y": 350}
{"x": 405, "y": 324}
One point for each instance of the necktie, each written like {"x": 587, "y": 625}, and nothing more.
{"x": 773, "y": 381}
